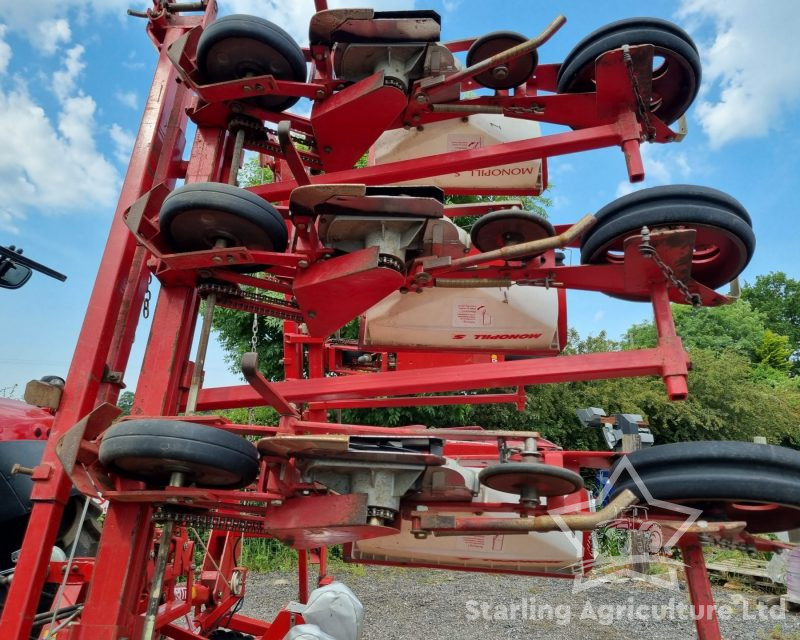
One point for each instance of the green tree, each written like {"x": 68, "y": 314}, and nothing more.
{"x": 774, "y": 351}
{"x": 777, "y": 296}
{"x": 736, "y": 327}
{"x": 125, "y": 402}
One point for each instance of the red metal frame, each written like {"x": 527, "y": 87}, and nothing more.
{"x": 280, "y": 503}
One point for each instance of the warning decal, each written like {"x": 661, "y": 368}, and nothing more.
{"x": 471, "y": 312}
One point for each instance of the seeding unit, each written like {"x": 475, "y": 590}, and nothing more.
{"x": 444, "y": 316}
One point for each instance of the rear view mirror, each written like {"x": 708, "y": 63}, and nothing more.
{"x": 12, "y": 274}
{"x": 16, "y": 270}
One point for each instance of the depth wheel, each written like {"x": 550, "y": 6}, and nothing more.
{"x": 240, "y": 46}
{"x": 195, "y": 216}
{"x": 727, "y": 481}
{"x": 676, "y": 63}
{"x": 509, "y": 227}
{"x": 152, "y": 450}
{"x": 724, "y": 243}
{"x": 509, "y": 74}
{"x": 530, "y": 478}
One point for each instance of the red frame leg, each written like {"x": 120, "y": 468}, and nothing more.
{"x": 703, "y": 608}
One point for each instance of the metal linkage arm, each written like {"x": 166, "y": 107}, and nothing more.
{"x": 447, "y": 525}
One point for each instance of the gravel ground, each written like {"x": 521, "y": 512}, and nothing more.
{"x": 402, "y": 603}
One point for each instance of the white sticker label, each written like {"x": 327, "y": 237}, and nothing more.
{"x": 463, "y": 142}
{"x": 471, "y": 312}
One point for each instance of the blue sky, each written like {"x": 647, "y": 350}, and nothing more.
{"x": 74, "y": 75}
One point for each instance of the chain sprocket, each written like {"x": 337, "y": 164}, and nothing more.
{"x": 234, "y": 297}
{"x": 257, "y": 136}
{"x": 206, "y": 520}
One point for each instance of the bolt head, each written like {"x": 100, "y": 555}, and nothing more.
{"x": 303, "y": 264}
{"x": 500, "y": 72}
{"x": 320, "y": 94}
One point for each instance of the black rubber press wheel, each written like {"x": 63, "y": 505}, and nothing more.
{"x": 724, "y": 243}
{"x": 509, "y": 227}
{"x": 241, "y": 46}
{"x": 509, "y": 74}
{"x": 195, "y": 216}
{"x": 727, "y": 481}
{"x": 152, "y": 450}
{"x": 676, "y": 63}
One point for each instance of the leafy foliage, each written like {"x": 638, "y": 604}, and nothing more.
{"x": 777, "y": 296}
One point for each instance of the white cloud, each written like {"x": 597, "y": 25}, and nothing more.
{"x": 451, "y": 5}
{"x": 31, "y": 18}
{"x": 53, "y": 169}
{"x": 8, "y": 221}
{"x": 50, "y": 34}
{"x": 64, "y": 80}
{"x": 751, "y": 67}
{"x": 662, "y": 165}
{"x": 5, "y": 50}
{"x": 294, "y": 16}
{"x": 123, "y": 142}
{"x": 127, "y": 98}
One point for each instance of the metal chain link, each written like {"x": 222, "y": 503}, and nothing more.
{"x": 644, "y": 110}
{"x": 206, "y": 520}
{"x": 236, "y": 298}
{"x": 148, "y": 295}
{"x": 254, "y": 335}
{"x": 649, "y": 251}
{"x": 251, "y": 411}
{"x": 257, "y": 136}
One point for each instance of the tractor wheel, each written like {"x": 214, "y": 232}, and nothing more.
{"x": 509, "y": 74}
{"x": 655, "y": 537}
{"x": 151, "y": 450}
{"x": 508, "y": 227}
{"x": 88, "y": 535}
{"x": 240, "y": 46}
{"x": 724, "y": 243}
{"x": 88, "y": 542}
{"x": 519, "y": 477}
{"x": 676, "y": 63}
{"x": 195, "y": 216}
{"x": 727, "y": 481}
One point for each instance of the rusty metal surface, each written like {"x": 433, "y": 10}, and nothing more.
{"x": 446, "y": 525}
{"x": 88, "y": 428}
{"x": 42, "y": 394}
{"x": 264, "y": 387}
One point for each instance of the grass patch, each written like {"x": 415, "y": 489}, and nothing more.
{"x": 269, "y": 554}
